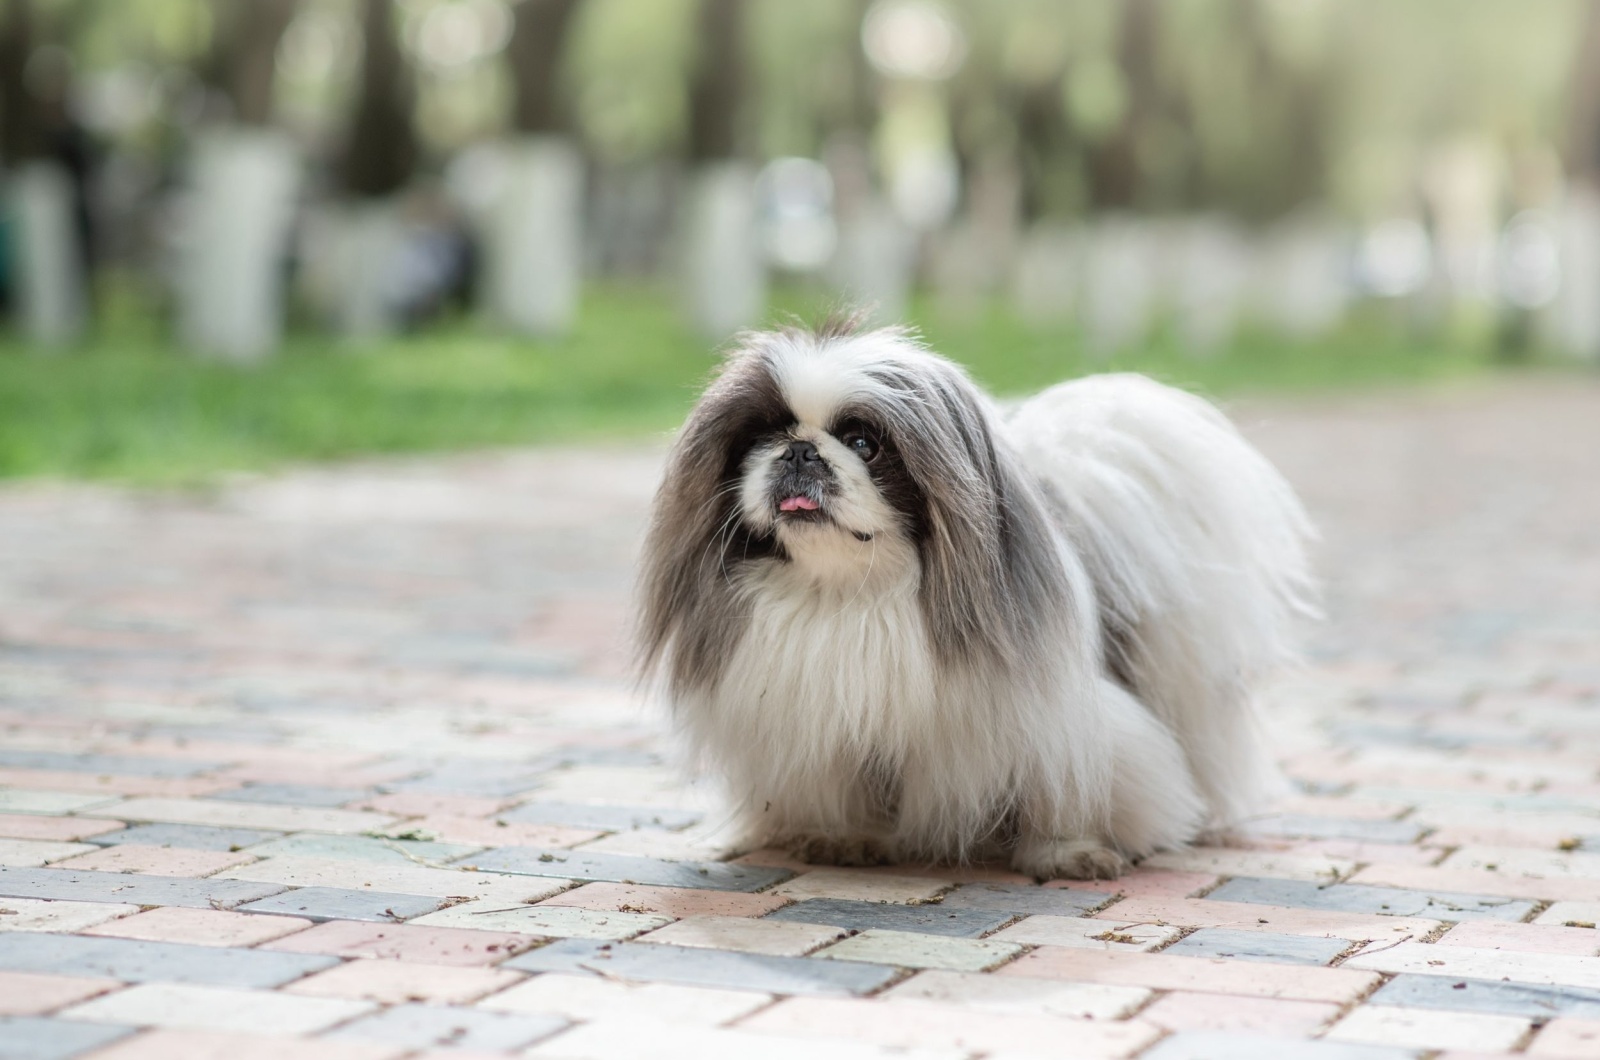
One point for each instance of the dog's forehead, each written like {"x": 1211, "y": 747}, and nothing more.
{"x": 818, "y": 378}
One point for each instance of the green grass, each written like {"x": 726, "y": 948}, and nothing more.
{"x": 129, "y": 406}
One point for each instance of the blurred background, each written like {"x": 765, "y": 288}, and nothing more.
{"x": 239, "y": 232}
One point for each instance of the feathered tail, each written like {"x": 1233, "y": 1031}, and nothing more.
{"x": 1197, "y": 548}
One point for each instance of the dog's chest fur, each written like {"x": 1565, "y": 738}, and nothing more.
{"x": 834, "y": 669}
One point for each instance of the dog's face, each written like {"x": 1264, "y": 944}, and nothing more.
{"x": 838, "y": 481}
{"x": 831, "y": 451}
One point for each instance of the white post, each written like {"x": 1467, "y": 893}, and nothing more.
{"x": 369, "y": 244}
{"x": 1304, "y": 277}
{"x": 1572, "y": 321}
{"x": 1119, "y": 284}
{"x": 724, "y": 275}
{"x": 1210, "y": 276}
{"x": 236, "y": 240}
{"x": 50, "y": 267}
{"x": 534, "y": 238}
{"x": 1048, "y": 274}
{"x": 876, "y": 261}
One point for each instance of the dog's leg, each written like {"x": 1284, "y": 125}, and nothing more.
{"x": 1049, "y": 858}
{"x": 854, "y": 851}
{"x": 1153, "y": 803}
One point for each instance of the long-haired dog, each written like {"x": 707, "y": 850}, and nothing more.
{"x": 905, "y": 624}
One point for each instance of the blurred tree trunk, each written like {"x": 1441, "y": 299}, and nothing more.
{"x": 724, "y": 269}
{"x": 381, "y": 150}
{"x": 1115, "y": 170}
{"x": 538, "y": 45}
{"x": 1294, "y": 105}
{"x": 533, "y": 234}
{"x": 1583, "y": 123}
{"x": 45, "y": 193}
{"x": 244, "y": 58}
{"x": 718, "y": 87}
{"x": 1047, "y": 149}
{"x": 1573, "y": 319}
{"x": 21, "y": 135}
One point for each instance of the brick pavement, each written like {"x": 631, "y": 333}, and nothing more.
{"x": 340, "y": 764}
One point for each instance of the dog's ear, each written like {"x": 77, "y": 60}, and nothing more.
{"x": 994, "y": 585}
{"x": 686, "y": 595}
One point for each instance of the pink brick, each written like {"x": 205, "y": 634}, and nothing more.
{"x": 918, "y": 1024}
{"x": 955, "y": 873}
{"x": 27, "y": 994}
{"x": 1162, "y": 971}
{"x": 1345, "y": 806}
{"x": 1182, "y": 1011}
{"x": 257, "y": 762}
{"x": 487, "y": 832}
{"x": 1530, "y": 834}
{"x": 1480, "y": 881}
{"x": 1204, "y": 913}
{"x": 1527, "y": 938}
{"x": 406, "y": 942}
{"x": 62, "y": 829}
{"x": 64, "y": 780}
{"x": 210, "y": 1045}
{"x": 1147, "y": 883}
{"x": 423, "y": 804}
{"x": 1568, "y": 1038}
{"x": 396, "y": 982}
{"x": 205, "y": 927}
{"x": 677, "y": 902}
{"x": 1355, "y": 850}
{"x": 157, "y": 861}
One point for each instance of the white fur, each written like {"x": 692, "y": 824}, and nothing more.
{"x": 1195, "y": 541}
{"x": 1165, "y": 519}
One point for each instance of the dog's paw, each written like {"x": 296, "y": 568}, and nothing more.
{"x": 1068, "y": 859}
{"x": 856, "y": 851}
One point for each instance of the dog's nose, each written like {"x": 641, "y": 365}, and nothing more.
{"x": 800, "y": 453}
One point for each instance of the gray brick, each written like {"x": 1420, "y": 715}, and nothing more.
{"x": 1236, "y": 1045}
{"x": 1491, "y": 800}
{"x": 692, "y": 966}
{"x": 1308, "y": 826}
{"x": 420, "y": 1026}
{"x": 604, "y": 818}
{"x": 1489, "y": 995}
{"x": 564, "y": 955}
{"x": 1027, "y": 899}
{"x": 862, "y": 916}
{"x": 121, "y": 765}
{"x": 1372, "y": 734}
{"x": 604, "y": 756}
{"x": 1257, "y": 946}
{"x": 363, "y": 848}
{"x": 293, "y": 795}
{"x": 1363, "y": 898}
{"x": 474, "y": 778}
{"x": 187, "y": 836}
{"x": 334, "y": 903}
{"x": 619, "y": 868}
{"x": 35, "y": 1038}
{"x": 83, "y": 885}
{"x": 137, "y": 961}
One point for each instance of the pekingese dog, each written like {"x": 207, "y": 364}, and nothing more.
{"x": 905, "y": 624}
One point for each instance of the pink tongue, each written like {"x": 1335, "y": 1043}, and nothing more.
{"x": 797, "y": 504}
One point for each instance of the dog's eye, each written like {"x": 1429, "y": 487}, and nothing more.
{"x": 862, "y": 444}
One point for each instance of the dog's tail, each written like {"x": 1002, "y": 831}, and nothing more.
{"x": 1197, "y": 548}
